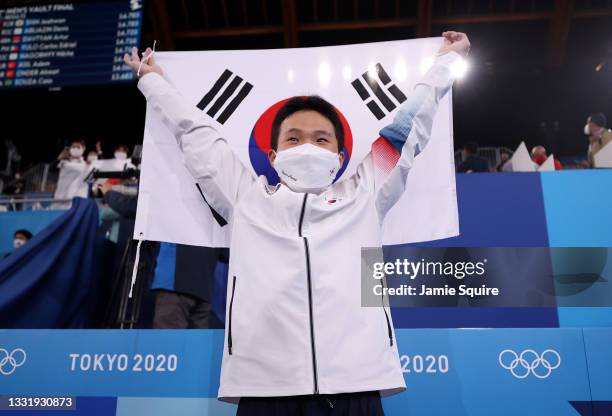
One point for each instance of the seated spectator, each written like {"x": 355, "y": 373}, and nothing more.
{"x": 539, "y": 156}
{"x": 21, "y": 237}
{"x": 472, "y": 162}
{"x": 598, "y": 134}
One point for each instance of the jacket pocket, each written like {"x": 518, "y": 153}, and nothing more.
{"x": 229, "y": 325}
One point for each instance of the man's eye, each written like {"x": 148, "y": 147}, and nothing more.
{"x": 292, "y": 139}
{"x": 322, "y": 140}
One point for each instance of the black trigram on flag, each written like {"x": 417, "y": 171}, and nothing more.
{"x": 378, "y": 82}
{"x": 226, "y": 92}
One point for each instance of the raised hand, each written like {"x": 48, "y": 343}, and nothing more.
{"x": 455, "y": 41}
{"x": 149, "y": 65}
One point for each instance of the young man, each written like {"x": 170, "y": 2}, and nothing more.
{"x": 297, "y": 340}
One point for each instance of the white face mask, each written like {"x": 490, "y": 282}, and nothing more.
{"x": 76, "y": 151}
{"x": 587, "y": 130}
{"x": 92, "y": 158}
{"x": 18, "y": 242}
{"x": 120, "y": 155}
{"x": 307, "y": 168}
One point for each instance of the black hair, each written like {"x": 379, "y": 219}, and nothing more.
{"x": 471, "y": 147}
{"x": 599, "y": 119}
{"x": 24, "y": 232}
{"x": 308, "y": 103}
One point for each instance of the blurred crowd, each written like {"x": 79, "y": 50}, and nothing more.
{"x": 598, "y": 136}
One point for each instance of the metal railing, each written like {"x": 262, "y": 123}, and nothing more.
{"x": 19, "y": 203}
{"x": 491, "y": 154}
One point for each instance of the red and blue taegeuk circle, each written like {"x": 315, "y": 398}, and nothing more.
{"x": 259, "y": 143}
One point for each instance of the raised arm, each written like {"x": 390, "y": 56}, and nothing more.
{"x": 411, "y": 128}
{"x": 208, "y": 157}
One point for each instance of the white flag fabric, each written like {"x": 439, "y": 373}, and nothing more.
{"x": 240, "y": 90}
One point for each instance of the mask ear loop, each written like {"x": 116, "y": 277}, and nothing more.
{"x": 145, "y": 59}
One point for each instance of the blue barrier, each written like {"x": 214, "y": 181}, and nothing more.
{"x": 447, "y": 371}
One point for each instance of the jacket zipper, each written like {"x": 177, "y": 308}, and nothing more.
{"x": 229, "y": 326}
{"x": 312, "y": 335}
{"x": 388, "y": 327}
{"x": 389, "y": 330}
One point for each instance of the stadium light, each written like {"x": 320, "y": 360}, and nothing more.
{"x": 459, "y": 68}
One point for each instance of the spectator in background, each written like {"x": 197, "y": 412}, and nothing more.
{"x": 539, "y": 156}
{"x": 21, "y": 237}
{"x": 598, "y": 134}
{"x": 472, "y": 162}
{"x": 92, "y": 156}
{"x": 73, "y": 171}
{"x": 183, "y": 285}
{"x": 17, "y": 186}
{"x": 121, "y": 152}
{"x": 503, "y": 158}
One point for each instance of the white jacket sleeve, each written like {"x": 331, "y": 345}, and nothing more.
{"x": 412, "y": 125}
{"x": 208, "y": 157}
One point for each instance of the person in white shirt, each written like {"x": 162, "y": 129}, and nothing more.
{"x": 297, "y": 340}
{"x": 72, "y": 173}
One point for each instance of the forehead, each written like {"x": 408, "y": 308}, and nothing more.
{"x": 307, "y": 120}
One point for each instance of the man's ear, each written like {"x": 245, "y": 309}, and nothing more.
{"x": 272, "y": 156}
{"x": 341, "y": 157}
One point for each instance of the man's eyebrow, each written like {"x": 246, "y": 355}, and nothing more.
{"x": 296, "y": 130}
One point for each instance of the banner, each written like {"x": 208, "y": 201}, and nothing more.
{"x": 456, "y": 371}
{"x": 239, "y": 90}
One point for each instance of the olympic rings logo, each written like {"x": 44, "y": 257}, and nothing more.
{"x": 10, "y": 362}
{"x": 530, "y": 362}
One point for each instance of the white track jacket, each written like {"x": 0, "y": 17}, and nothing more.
{"x": 294, "y": 323}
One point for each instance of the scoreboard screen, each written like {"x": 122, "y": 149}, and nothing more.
{"x": 62, "y": 44}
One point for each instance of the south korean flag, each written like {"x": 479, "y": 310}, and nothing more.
{"x": 238, "y": 90}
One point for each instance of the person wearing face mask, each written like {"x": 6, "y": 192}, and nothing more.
{"x": 21, "y": 237}
{"x": 72, "y": 173}
{"x": 297, "y": 340}
{"x": 599, "y": 135}
{"x": 121, "y": 152}
{"x": 92, "y": 156}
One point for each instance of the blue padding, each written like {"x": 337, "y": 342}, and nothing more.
{"x": 578, "y": 207}
{"x": 495, "y": 210}
{"x": 499, "y": 210}
{"x": 475, "y": 317}
{"x": 598, "y": 347}
{"x": 585, "y": 316}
